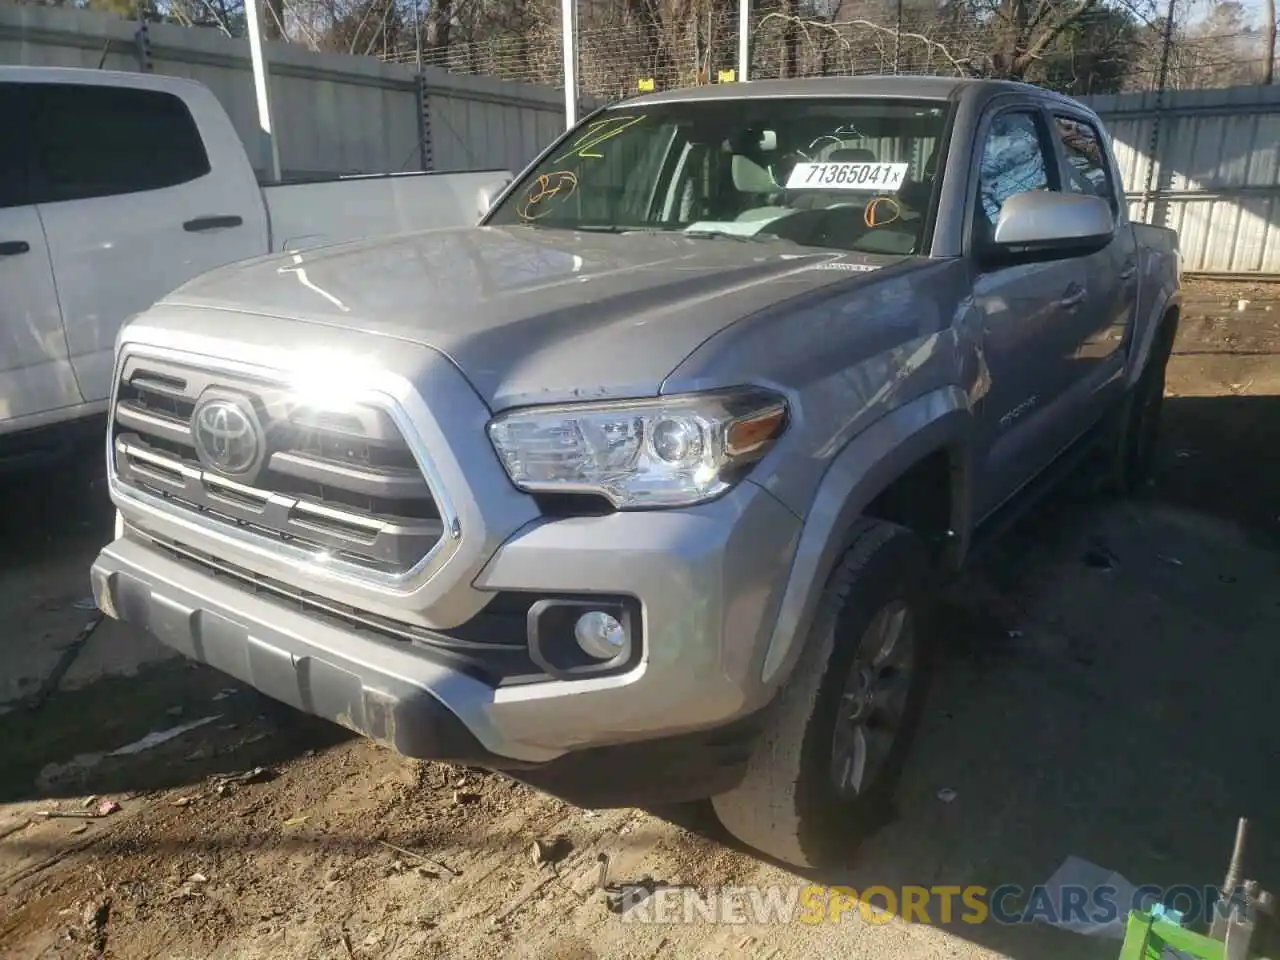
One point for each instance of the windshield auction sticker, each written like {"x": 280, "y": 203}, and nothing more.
{"x": 847, "y": 176}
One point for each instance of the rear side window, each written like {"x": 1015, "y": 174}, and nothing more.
{"x": 1087, "y": 170}
{"x": 95, "y": 141}
{"x": 13, "y": 146}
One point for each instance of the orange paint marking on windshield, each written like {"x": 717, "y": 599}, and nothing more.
{"x": 870, "y": 218}
{"x": 558, "y": 183}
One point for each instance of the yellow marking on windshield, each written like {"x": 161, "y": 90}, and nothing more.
{"x": 597, "y": 133}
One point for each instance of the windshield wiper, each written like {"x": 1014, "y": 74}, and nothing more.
{"x": 613, "y": 228}
{"x": 583, "y": 227}
{"x": 730, "y": 235}
{"x": 670, "y": 231}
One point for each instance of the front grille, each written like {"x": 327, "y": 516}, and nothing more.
{"x": 341, "y": 484}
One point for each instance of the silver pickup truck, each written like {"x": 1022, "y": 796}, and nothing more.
{"x": 638, "y": 490}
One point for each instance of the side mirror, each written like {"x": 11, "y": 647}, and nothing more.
{"x": 1040, "y": 221}
{"x": 489, "y": 193}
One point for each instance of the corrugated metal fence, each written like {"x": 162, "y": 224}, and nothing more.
{"x": 333, "y": 114}
{"x": 1216, "y": 174}
{"x": 478, "y": 123}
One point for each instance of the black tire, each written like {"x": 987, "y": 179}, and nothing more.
{"x": 788, "y": 805}
{"x": 1138, "y": 429}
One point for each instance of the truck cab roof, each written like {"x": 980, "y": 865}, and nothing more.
{"x": 83, "y": 76}
{"x": 906, "y": 88}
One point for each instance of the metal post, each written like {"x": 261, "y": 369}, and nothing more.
{"x": 744, "y": 48}
{"x": 142, "y": 36}
{"x": 1162, "y": 80}
{"x": 417, "y": 32}
{"x": 897, "y": 43}
{"x": 260, "y": 81}
{"x": 569, "y": 41}
{"x": 424, "y": 123}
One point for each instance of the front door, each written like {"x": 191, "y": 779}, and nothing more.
{"x": 1035, "y": 316}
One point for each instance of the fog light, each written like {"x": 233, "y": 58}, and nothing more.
{"x": 600, "y": 635}
{"x": 572, "y": 637}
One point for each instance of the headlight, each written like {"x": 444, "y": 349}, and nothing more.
{"x": 664, "y": 452}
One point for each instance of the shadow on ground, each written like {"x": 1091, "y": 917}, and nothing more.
{"x": 1105, "y": 690}
{"x": 1221, "y": 456}
{"x": 64, "y": 749}
{"x": 52, "y": 512}
{"x": 53, "y": 520}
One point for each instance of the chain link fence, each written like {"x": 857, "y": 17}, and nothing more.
{"x": 1110, "y": 49}
{"x": 1080, "y": 47}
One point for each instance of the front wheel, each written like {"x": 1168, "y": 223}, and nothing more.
{"x": 824, "y": 767}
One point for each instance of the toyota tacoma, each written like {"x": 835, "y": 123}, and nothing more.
{"x": 638, "y": 490}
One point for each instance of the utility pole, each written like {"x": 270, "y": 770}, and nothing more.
{"x": 744, "y": 46}
{"x": 897, "y": 42}
{"x": 261, "y": 85}
{"x": 417, "y": 32}
{"x": 1271, "y": 42}
{"x": 1162, "y": 78}
{"x": 569, "y": 41}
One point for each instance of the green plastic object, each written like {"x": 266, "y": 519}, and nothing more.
{"x": 1146, "y": 938}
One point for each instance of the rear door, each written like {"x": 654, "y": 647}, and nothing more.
{"x": 35, "y": 374}
{"x": 132, "y": 207}
{"x": 1111, "y": 274}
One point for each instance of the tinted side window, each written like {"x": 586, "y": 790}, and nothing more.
{"x": 13, "y": 145}
{"x": 1013, "y": 162}
{"x": 1087, "y": 170}
{"x": 102, "y": 141}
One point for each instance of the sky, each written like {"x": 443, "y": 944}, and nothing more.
{"x": 1197, "y": 10}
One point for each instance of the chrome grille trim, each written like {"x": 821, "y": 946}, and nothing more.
{"x": 132, "y": 415}
{"x": 282, "y": 516}
{"x": 317, "y": 537}
{"x": 391, "y": 482}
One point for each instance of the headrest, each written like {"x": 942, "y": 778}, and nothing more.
{"x": 851, "y": 155}
{"x": 931, "y": 165}
{"x": 749, "y": 176}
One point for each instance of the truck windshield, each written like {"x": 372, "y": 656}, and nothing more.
{"x": 847, "y": 173}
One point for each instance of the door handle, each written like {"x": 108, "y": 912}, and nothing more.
{"x": 11, "y": 248}
{"x": 1073, "y": 299}
{"x": 1129, "y": 270}
{"x": 211, "y": 223}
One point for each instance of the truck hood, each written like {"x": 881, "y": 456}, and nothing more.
{"x": 535, "y": 315}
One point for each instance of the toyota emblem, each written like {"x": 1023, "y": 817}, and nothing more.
{"x": 227, "y": 437}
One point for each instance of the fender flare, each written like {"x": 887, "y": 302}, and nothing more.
{"x": 1169, "y": 301}
{"x": 866, "y": 465}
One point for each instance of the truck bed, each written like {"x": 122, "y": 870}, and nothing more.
{"x": 316, "y": 212}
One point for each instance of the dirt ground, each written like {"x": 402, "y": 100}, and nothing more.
{"x": 1105, "y": 692}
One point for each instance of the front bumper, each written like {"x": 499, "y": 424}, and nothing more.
{"x": 708, "y": 579}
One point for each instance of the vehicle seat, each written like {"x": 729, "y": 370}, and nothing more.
{"x": 915, "y": 193}
{"x": 760, "y": 192}
{"x": 851, "y": 155}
